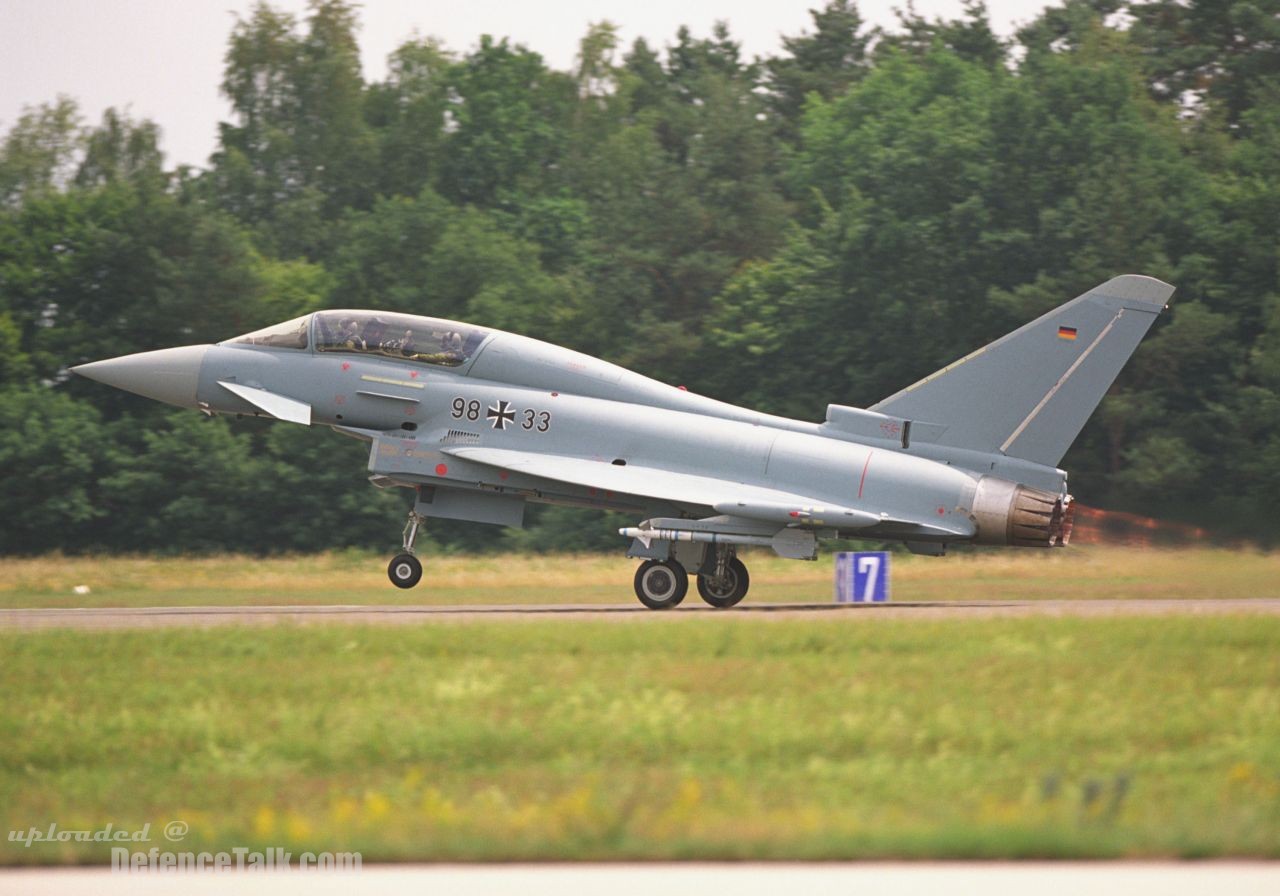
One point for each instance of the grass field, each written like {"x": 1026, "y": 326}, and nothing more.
{"x": 688, "y": 737}
{"x": 360, "y": 578}
{"x": 679, "y": 736}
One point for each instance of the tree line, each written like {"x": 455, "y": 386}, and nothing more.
{"x": 823, "y": 225}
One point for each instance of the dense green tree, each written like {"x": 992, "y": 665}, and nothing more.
{"x": 1064, "y": 27}
{"x": 825, "y": 62}
{"x": 680, "y": 194}
{"x": 407, "y": 114}
{"x": 904, "y": 162}
{"x": 508, "y": 119}
{"x": 312, "y": 483}
{"x": 15, "y": 365}
{"x": 425, "y": 256}
{"x": 121, "y": 149}
{"x": 1214, "y": 53}
{"x": 39, "y": 152}
{"x": 828, "y": 224}
{"x": 96, "y": 273}
{"x": 255, "y": 166}
{"x": 385, "y": 252}
{"x": 970, "y": 38}
{"x": 333, "y": 142}
{"x": 51, "y": 449}
{"x": 152, "y": 495}
{"x": 300, "y": 147}
{"x": 783, "y": 321}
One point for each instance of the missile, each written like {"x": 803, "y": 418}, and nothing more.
{"x": 801, "y": 515}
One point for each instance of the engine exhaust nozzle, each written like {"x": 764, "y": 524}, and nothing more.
{"x": 1008, "y": 513}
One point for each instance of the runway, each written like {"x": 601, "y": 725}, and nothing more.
{"x": 160, "y": 617}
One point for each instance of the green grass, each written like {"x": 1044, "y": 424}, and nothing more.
{"x": 667, "y": 737}
{"x": 360, "y": 578}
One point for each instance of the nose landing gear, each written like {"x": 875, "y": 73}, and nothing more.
{"x": 405, "y": 570}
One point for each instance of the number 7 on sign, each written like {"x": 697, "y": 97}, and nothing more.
{"x": 862, "y": 576}
{"x": 869, "y": 575}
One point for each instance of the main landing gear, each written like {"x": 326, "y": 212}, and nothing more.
{"x": 661, "y": 584}
{"x": 405, "y": 570}
{"x": 722, "y": 581}
{"x": 727, "y": 586}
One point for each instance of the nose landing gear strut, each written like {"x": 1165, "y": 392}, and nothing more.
{"x": 405, "y": 569}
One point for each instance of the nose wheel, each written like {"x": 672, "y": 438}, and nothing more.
{"x": 405, "y": 570}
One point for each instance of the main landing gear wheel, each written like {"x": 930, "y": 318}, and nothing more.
{"x": 727, "y": 589}
{"x": 661, "y": 584}
{"x": 404, "y": 570}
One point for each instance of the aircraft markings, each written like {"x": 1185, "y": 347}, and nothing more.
{"x": 370, "y": 378}
{"x": 500, "y": 413}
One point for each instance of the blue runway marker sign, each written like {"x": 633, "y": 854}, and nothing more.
{"x": 862, "y": 577}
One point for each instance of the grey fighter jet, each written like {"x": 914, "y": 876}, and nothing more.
{"x": 478, "y": 423}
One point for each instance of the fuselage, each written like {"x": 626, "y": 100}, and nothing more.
{"x": 517, "y": 393}
{"x": 420, "y": 385}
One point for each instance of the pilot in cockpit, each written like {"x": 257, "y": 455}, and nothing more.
{"x": 349, "y": 335}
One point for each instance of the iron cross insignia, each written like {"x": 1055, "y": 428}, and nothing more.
{"x": 501, "y": 414}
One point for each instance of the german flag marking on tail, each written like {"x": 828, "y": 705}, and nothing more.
{"x": 1066, "y": 332}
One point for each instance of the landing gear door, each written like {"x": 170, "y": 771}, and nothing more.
{"x": 476, "y": 507}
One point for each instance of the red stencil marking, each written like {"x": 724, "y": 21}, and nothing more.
{"x": 863, "y": 480}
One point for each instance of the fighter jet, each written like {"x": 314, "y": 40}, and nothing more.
{"x": 479, "y": 423}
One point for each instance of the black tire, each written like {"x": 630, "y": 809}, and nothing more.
{"x": 729, "y": 592}
{"x": 404, "y": 570}
{"x": 661, "y": 584}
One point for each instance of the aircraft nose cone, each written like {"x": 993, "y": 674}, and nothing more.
{"x": 169, "y": 375}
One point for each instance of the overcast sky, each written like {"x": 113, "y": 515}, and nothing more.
{"x": 163, "y": 58}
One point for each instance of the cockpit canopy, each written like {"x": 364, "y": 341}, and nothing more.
{"x": 290, "y": 334}
{"x": 403, "y": 336}
{"x": 406, "y": 336}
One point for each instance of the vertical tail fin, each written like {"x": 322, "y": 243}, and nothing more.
{"x": 1028, "y": 394}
